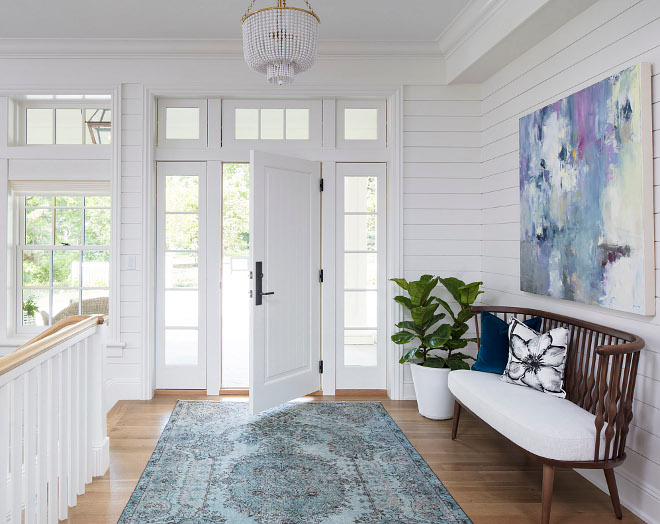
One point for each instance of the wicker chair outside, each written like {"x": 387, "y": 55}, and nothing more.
{"x": 91, "y": 306}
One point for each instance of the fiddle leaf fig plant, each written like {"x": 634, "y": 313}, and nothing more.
{"x": 446, "y": 338}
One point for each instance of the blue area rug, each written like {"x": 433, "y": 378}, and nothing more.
{"x": 316, "y": 462}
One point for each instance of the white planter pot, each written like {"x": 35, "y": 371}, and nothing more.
{"x": 434, "y": 400}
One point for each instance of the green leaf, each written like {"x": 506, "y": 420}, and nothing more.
{"x": 420, "y": 290}
{"x": 464, "y": 315}
{"x": 440, "y": 337}
{"x": 447, "y": 308}
{"x": 456, "y": 344}
{"x": 402, "y": 337}
{"x": 426, "y": 278}
{"x": 470, "y": 292}
{"x": 461, "y": 356}
{"x": 431, "y": 322}
{"x": 407, "y": 324}
{"x": 404, "y": 301}
{"x": 453, "y": 285}
{"x": 401, "y": 281}
{"x": 459, "y": 330}
{"x": 423, "y": 314}
{"x": 434, "y": 362}
{"x": 457, "y": 364}
{"x": 410, "y": 355}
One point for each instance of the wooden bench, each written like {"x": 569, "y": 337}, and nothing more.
{"x": 588, "y": 429}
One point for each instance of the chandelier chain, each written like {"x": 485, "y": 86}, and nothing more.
{"x": 247, "y": 11}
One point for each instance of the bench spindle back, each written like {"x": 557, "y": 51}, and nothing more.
{"x": 600, "y": 372}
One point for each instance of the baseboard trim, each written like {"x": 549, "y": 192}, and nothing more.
{"x": 636, "y": 495}
{"x": 121, "y": 389}
{"x": 101, "y": 457}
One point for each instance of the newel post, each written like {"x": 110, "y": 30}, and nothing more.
{"x": 98, "y": 431}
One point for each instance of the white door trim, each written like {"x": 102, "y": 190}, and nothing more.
{"x": 394, "y": 157}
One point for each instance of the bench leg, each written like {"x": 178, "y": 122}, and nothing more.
{"x": 614, "y": 492}
{"x": 546, "y": 497}
{"x": 457, "y": 415}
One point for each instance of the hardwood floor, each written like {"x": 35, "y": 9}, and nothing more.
{"x": 493, "y": 482}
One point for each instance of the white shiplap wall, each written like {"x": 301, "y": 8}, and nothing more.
{"x": 123, "y": 371}
{"x": 606, "y": 38}
{"x": 441, "y": 185}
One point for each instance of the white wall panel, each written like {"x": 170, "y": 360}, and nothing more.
{"x": 610, "y": 36}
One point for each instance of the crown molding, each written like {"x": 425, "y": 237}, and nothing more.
{"x": 172, "y": 48}
{"x": 468, "y": 21}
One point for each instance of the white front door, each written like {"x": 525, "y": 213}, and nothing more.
{"x": 285, "y": 246}
{"x": 181, "y": 274}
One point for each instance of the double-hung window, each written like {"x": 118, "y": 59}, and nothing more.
{"x": 63, "y": 258}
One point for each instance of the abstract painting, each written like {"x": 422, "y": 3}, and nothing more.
{"x": 586, "y": 195}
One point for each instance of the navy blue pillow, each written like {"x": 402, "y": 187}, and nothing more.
{"x": 494, "y": 350}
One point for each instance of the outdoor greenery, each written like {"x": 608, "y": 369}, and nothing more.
{"x": 30, "y": 306}
{"x": 448, "y": 337}
{"x": 236, "y": 210}
{"x": 58, "y": 221}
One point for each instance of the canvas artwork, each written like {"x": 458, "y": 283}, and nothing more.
{"x": 586, "y": 195}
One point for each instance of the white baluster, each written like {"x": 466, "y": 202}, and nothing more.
{"x": 30, "y": 445}
{"x": 5, "y": 428}
{"x": 45, "y": 379}
{"x": 18, "y": 390}
{"x": 63, "y": 465}
{"x": 53, "y": 438}
{"x": 82, "y": 415}
{"x": 73, "y": 427}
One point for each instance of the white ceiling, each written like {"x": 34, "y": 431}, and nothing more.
{"x": 363, "y": 20}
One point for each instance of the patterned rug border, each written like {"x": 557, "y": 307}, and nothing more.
{"x": 418, "y": 460}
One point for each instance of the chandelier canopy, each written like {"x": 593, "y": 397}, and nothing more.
{"x": 280, "y": 41}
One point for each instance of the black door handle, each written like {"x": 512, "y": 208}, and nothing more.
{"x": 259, "y": 275}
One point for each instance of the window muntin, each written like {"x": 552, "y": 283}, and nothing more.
{"x": 68, "y": 126}
{"x": 360, "y": 270}
{"x": 271, "y": 123}
{"x": 247, "y": 123}
{"x": 63, "y": 259}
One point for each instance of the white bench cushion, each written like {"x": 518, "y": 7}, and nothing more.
{"x": 545, "y": 425}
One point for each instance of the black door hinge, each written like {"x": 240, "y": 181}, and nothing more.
{"x": 321, "y": 185}
{"x": 321, "y": 276}
{"x": 320, "y": 366}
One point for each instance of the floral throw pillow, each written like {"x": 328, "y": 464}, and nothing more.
{"x": 537, "y": 360}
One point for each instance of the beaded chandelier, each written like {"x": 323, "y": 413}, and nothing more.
{"x": 281, "y": 41}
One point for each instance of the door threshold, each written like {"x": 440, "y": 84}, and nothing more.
{"x": 223, "y": 392}
{"x": 361, "y": 393}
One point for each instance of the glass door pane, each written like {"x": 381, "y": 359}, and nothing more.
{"x": 361, "y": 264}
{"x": 181, "y": 348}
{"x": 235, "y": 275}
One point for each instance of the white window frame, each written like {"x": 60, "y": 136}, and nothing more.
{"x": 380, "y": 105}
{"x": 22, "y": 246}
{"x": 21, "y": 107}
{"x": 362, "y": 377}
{"x": 199, "y": 103}
{"x": 315, "y": 124}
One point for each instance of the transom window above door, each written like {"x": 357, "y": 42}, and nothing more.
{"x": 248, "y": 122}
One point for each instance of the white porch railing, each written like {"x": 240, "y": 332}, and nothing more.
{"x": 53, "y": 435}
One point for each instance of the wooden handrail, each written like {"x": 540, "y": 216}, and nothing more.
{"x": 61, "y": 332}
